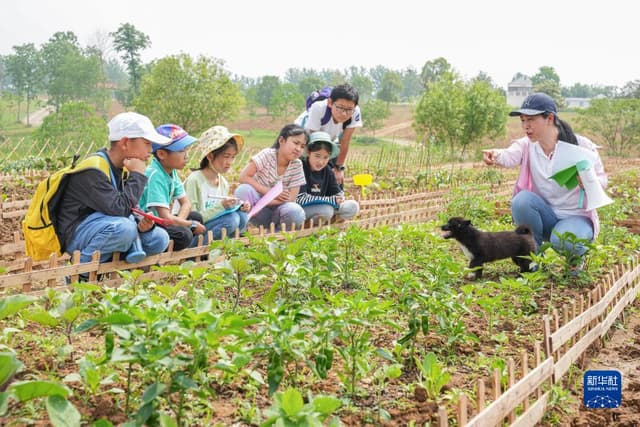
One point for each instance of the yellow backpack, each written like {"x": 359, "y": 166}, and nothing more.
{"x": 38, "y": 226}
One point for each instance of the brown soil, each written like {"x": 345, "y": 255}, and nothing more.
{"x": 13, "y": 191}
{"x": 621, "y": 352}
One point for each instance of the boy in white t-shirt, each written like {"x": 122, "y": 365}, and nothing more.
{"x": 339, "y": 116}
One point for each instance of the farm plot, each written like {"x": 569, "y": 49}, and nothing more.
{"x": 369, "y": 327}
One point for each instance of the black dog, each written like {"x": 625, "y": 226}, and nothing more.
{"x": 480, "y": 246}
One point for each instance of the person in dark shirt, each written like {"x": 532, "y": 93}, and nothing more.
{"x": 321, "y": 197}
{"x": 95, "y": 210}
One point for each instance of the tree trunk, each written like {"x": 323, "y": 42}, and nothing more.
{"x": 19, "y": 111}
{"x": 28, "y": 100}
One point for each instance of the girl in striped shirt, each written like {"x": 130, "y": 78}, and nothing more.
{"x": 279, "y": 163}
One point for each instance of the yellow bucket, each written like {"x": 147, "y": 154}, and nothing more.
{"x": 362, "y": 180}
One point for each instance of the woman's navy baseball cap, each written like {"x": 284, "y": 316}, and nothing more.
{"x": 534, "y": 104}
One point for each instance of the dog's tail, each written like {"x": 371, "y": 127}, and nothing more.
{"x": 523, "y": 229}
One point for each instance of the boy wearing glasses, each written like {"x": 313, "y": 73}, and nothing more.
{"x": 164, "y": 187}
{"x": 339, "y": 116}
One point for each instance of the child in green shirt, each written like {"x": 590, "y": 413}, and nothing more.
{"x": 164, "y": 187}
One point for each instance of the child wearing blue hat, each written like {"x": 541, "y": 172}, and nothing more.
{"x": 164, "y": 187}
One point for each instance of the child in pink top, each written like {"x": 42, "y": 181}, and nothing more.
{"x": 279, "y": 163}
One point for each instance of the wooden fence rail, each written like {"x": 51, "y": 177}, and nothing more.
{"x": 523, "y": 403}
{"x": 565, "y": 345}
{"x": 414, "y": 205}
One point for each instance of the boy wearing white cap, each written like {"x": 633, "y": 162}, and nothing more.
{"x": 96, "y": 209}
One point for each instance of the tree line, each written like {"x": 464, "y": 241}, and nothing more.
{"x": 80, "y": 82}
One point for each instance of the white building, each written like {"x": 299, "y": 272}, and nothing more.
{"x": 577, "y": 102}
{"x": 518, "y": 90}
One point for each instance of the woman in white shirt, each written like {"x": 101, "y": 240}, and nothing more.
{"x": 539, "y": 202}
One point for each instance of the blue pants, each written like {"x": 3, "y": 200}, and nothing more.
{"x": 109, "y": 234}
{"x": 347, "y": 210}
{"x": 288, "y": 213}
{"x": 528, "y": 208}
{"x": 231, "y": 222}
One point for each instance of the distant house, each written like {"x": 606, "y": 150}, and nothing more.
{"x": 577, "y": 102}
{"x": 518, "y": 90}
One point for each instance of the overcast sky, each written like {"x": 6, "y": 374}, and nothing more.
{"x": 586, "y": 41}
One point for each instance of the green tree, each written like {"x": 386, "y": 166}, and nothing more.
{"x": 61, "y": 56}
{"x": 307, "y": 85}
{"x": 5, "y": 81}
{"x": 391, "y": 87}
{"x": 519, "y": 76}
{"x": 116, "y": 80}
{"x": 459, "y": 113}
{"x": 552, "y": 89}
{"x": 546, "y": 80}
{"x": 375, "y": 110}
{"x": 631, "y": 90}
{"x": 332, "y": 77}
{"x": 77, "y": 124}
{"x": 581, "y": 90}
{"x": 251, "y": 100}
{"x": 195, "y": 94}
{"x": 129, "y": 42}
{"x": 485, "y": 113}
{"x": 363, "y": 85}
{"x": 76, "y": 77}
{"x": 265, "y": 89}
{"x": 438, "y": 115}
{"x": 545, "y": 73}
{"x": 359, "y": 78}
{"x": 433, "y": 70}
{"x": 377, "y": 74}
{"x": 578, "y": 90}
{"x": 286, "y": 102}
{"x": 4, "y": 108}
{"x": 296, "y": 75}
{"x": 24, "y": 67}
{"x": 614, "y": 122}
{"x": 411, "y": 85}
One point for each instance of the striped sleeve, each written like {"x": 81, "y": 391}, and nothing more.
{"x": 294, "y": 175}
{"x": 306, "y": 199}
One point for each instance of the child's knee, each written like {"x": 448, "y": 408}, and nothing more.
{"x": 349, "y": 209}
{"x": 182, "y": 238}
{"x": 125, "y": 228}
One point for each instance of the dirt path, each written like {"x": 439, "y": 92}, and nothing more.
{"x": 398, "y": 133}
{"x": 621, "y": 352}
{"x": 390, "y": 130}
{"x": 36, "y": 118}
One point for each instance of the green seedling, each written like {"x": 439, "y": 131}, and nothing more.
{"x": 433, "y": 376}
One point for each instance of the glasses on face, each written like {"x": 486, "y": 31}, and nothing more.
{"x": 344, "y": 110}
